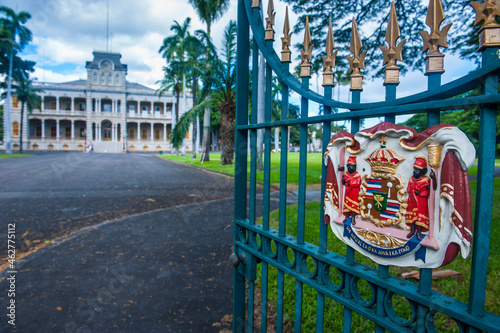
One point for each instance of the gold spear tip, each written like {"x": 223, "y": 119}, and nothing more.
{"x": 305, "y": 67}
{"x": 356, "y": 62}
{"x": 436, "y": 38}
{"x": 329, "y": 59}
{"x": 269, "y": 32}
{"x": 286, "y": 41}
{"x": 393, "y": 52}
{"x": 356, "y": 44}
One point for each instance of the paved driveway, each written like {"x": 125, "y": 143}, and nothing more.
{"x": 115, "y": 243}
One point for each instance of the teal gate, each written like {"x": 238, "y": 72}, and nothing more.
{"x": 259, "y": 248}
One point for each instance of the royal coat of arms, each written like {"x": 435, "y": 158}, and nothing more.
{"x": 400, "y": 197}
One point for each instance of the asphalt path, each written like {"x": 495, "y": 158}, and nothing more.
{"x": 52, "y": 195}
{"x": 114, "y": 243}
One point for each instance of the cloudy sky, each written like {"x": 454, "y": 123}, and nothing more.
{"x": 65, "y": 32}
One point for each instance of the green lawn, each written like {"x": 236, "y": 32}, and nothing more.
{"x": 13, "y": 155}
{"x": 456, "y": 287}
{"x": 314, "y": 161}
{"x": 313, "y": 167}
{"x": 473, "y": 169}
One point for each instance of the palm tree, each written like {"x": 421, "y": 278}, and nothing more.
{"x": 171, "y": 81}
{"x": 225, "y": 93}
{"x": 195, "y": 55}
{"x": 20, "y": 36}
{"x": 28, "y": 96}
{"x": 174, "y": 51}
{"x": 173, "y": 47}
{"x": 223, "y": 81}
{"x": 208, "y": 11}
{"x": 194, "y": 68}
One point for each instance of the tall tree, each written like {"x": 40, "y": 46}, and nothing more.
{"x": 195, "y": 56}
{"x": 28, "y": 96}
{"x": 225, "y": 92}
{"x": 172, "y": 80}
{"x": 220, "y": 94}
{"x": 209, "y": 11}
{"x": 20, "y": 36}
{"x": 174, "y": 51}
{"x": 197, "y": 69}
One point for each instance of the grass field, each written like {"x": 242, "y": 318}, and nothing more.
{"x": 13, "y": 155}
{"x": 314, "y": 161}
{"x": 313, "y": 167}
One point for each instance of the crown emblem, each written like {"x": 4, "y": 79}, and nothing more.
{"x": 384, "y": 160}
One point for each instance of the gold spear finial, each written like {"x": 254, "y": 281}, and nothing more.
{"x": 357, "y": 62}
{"x": 437, "y": 38}
{"x": 489, "y": 34}
{"x": 305, "y": 66}
{"x": 393, "y": 53}
{"x": 286, "y": 41}
{"x": 487, "y": 12}
{"x": 329, "y": 60}
{"x": 270, "y": 21}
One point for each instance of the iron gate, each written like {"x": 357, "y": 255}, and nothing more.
{"x": 258, "y": 247}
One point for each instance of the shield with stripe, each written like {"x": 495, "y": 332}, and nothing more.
{"x": 380, "y": 202}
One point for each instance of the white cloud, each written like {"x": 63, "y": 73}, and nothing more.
{"x": 66, "y": 32}
{"x": 45, "y": 75}
{"x": 54, "y": 52}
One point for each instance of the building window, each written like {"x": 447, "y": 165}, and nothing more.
{"x": 107, "y": 107}
{"x": 131, "y": 133}
{"x": 82, "y": 107}
{"x": 131, "y": 108}
{"x": 145, "y": 108}
{"x": 117, "y": 80}
{"x": 38, "y": 131}
{"x": 157, "y": 109}
{"x": 118, "y": 107}
{"x": 94, "y": 78}
{"x": 15, "y": 129}
{"x": 102, "y": 79}
{"x": 187, "y": 135}
{"x": 82, "y": 132}
{"x": 53, "y": 132}
{"x": 15, "y": 102}
{"x": 144, "y": 133}
{"x": 109, "y": 80}
{"x": 157, "y": 134}
{"x": 68, "y": 132}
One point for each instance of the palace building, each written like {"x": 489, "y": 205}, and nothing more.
{"x": 104, "y": 111}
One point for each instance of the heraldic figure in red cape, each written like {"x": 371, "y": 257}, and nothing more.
{"x": 352, "y": 183}
{"x": 417, "y": 211}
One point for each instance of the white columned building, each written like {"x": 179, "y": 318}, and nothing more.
{"x": 104, "y": 111}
